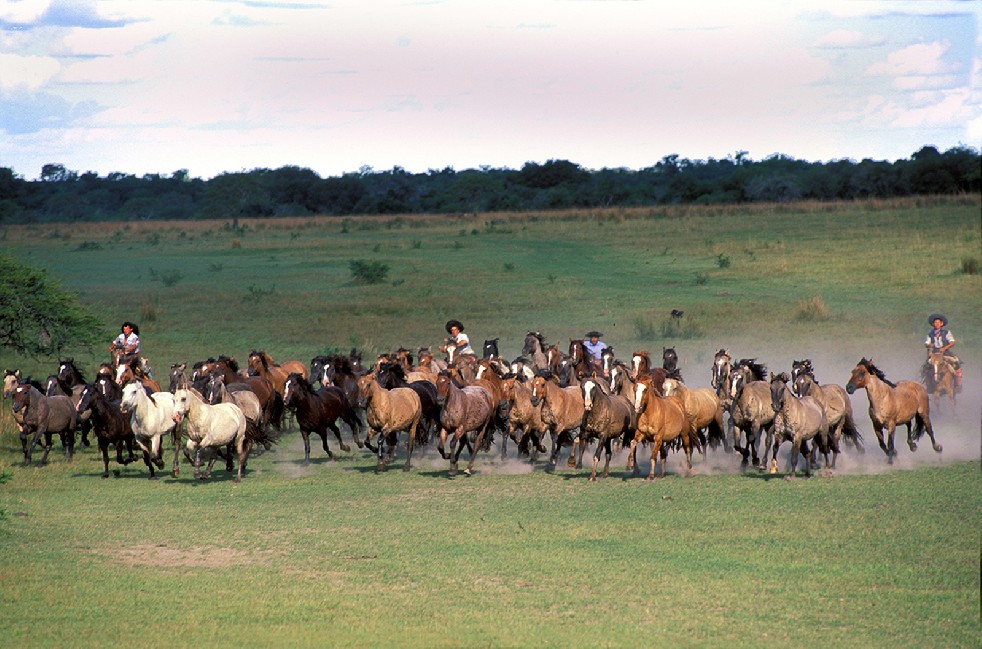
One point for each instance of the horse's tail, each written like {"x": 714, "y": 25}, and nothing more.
{"x": 715, "y": 433}
{"x": 276, "y": 410}
{"x": 259, "y": 434}
{"x": 918, "y": 430}
{"x": 851, "y": 433}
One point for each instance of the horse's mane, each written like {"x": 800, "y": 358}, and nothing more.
{"x": 394, "y": 368}
{"x": 782, "y": 376}
{"x": 228, "y": 360}
{"x": 875, "y": 371}
{"x": 76, "y": 373}
{"x": 264, "y": 358}
{"x": 758, "y": 370}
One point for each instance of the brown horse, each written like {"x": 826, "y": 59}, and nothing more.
{"x": 892, "y": 404}
{"x": 940, "y": 379}
{"x": 641, "y": 366}
{"x": 704, "y": 411}
{"x": 582, "y": 362}
{"x": 319, "y": 411}
{"x": 261, "y": 364}
{"x": 270, "y": 400}
{"x": 466, "y": 410}
{"x": 524, "y": 420}
{"x": 387, "y": 413}
{"x": 660, "y": 420}
{"x": 44, "y": 416}
{"x": 562, "y": 412}
{"x": 133, "y": 370}
{"x": 607, "y": 417}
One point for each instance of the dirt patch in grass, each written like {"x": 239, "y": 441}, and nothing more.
{"x": 193, "y": 557}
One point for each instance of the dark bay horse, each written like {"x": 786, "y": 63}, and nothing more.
{"x": 491, "y": 349}
{"x": 110, "y": 425}
{"x": 891, "y": 404}
{"x": 43, "y": 417}
{"x": 319, "y": 411}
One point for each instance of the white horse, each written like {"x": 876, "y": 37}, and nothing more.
{"x": 213, "y": 427}
{"x": 150, "y": 418}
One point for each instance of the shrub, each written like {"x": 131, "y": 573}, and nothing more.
{"x": 723, "y": 260}
{"x": 89, "y": 245}
{"x": 171, "y": 277}
{"x": 812, "y": 310}
{"x": 255, "y": 293}
{"x": 148, "y": 311}
{"x": 368, "y": 272}
{"x": 701, "y": 279}
{"x": 970, "y": 266}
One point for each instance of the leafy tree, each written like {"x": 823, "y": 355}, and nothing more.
{"x": 37, "y": 316}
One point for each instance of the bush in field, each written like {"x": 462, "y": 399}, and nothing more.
{"x": 813, "y": 310}
{"x": 368, "y": 272}
{"x": 970, "y": 266}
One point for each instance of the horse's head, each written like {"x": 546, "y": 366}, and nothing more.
{"x": 801, "y": 384}
{"x": 722, "y": 365}
{"x": 671, "y": 387}
{"x": 576, "y": 351}
{"x": 553, "y": 356}
{"x": 607, "y": 359}
{"x": 293, "y": 388}
{"x": 779, "y": 391}
{"x": 366, "y": 385}
{"x": 670, "y": 359}
{"x": 640, "y": 363}
{"x": 540, "y": 389}
{"x": 177, "y": 377}
{"x": 590, "y": 387}
{"x": 10, "y": 380}
{"x": 51, "y": 386}
{"x": 491, "y": 348}
{"x": 533, "y": 342}
{"x": 859, "y": 377}
{"x": 85, "y": 399}
{"x": 68, "y": 373}
{"x": 132, "y": 393}
{"x": 642, "y": 392}
{"x": 22, "y": 395}
{"x": 444, "y": 385}
{"x": 801, "y": 367}
{"x": 214, "y": 389}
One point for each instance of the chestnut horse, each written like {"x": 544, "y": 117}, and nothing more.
{"x": 641, "y": 366}
{"x": 660, "y": 420}
{"x": 261, "y": 364}
{"x": 892, "y": 404}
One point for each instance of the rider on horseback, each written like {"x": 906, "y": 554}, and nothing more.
{"x": 939, "y": 339}
{"x": 126, "y": 347}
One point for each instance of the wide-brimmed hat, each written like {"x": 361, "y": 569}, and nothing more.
{"x": 593, "y": 334}
{"x": 453, "y": 323}
{"x": 937, "y": 316}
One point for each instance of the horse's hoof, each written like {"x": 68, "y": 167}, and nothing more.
{"x": 105, "y": 475}
{"x": 593, "y": 478}
{"x": 153, "y": 477}
{"x": 176, "y": 472}
{"x": 790, "y": 478}
{"x": 937, "y": 448}
{"x": 345, "y": 448}
{"x": 912, "y": 446}
{"x": 406, "y": 468}
{"x": 467, "y": 471}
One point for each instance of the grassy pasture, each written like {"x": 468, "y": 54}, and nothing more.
{"x": 332, "y": 554}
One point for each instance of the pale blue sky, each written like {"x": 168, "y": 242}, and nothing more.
{"x": 142, "y": 86}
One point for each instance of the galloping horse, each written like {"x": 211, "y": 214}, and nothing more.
{"x": 111, "y": 426}
{"x": 151, "y": 417}
{"x": 660, "y": 420}
{"x": 216, "y": 392}
{"x": 722, "y": 377}
{"x": 704, "y": 411}
{"x": 670, "y": 360}
{"x": 892, "y": 404}
{"x": 468, "y": 409}
{"x": 535, "y": 349}
{"x": 44, "y": 416}
{"x": 491, "y": 349}
{"x": 562, "y": 412}
{"x": 607, "y": 417}
{"x": 387, "y": 413}
{"x": 261, "y": 364}
{"x": 392, "y": 375}
{"x": 939, "y": 377}
{"x": 582, "y": 362}
{"x": 319, "y": 411}
{"x": 750, "y": 407}
{"x": 132, "y": 370}
{"x": 798, "y": 420}
{"x": 269, "y": 398}
{"x": 211, "y": 427}
{"x": 837, "y": 406}
{"x": 641, "y": 366}
{"x": 523, "y": 417}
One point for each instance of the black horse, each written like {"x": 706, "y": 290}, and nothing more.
{"x": 491, "y": 348}
{"x": 319, "y": 411}
{"x": 72, "y": 382}
{"x": 111, "y": 426}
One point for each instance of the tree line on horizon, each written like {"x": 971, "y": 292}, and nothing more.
{"x": 63, "y": 195}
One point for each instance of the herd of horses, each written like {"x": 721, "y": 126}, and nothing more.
{"x": 545, "y": 396}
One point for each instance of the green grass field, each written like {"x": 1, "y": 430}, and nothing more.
{"x": 335, "y": 555}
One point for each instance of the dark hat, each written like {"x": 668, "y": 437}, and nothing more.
{"x": 453, "y": 323}
{"x": 132, "y": 326}
{"x": 593, "y": 334}
{"x": 937, "y": 316}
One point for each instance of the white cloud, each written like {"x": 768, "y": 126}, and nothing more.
{"x": 848, "y": 39}
{"x": 26, "y": 72}
{"x": 22, "y": 11}
{"x": 919, "y": 59}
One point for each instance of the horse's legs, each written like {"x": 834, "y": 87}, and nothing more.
{"x": 924, "y": 420}
{"x": 477, "y": 446}
{"x": 228, "y": 457}
{"x": 337, "y": 433}
{"x": 596, "y": 460}
{"x": 211, "y": 463}
{"x": 305, "y": 435}
{"x": 777, "y": 444}
{"x": 197, "y": 462}
{"x": 795, "y": 449}
{"x": 458, "y": 434}
{"x": 104, "y": 447}
{"x": 442, "y": 443}
{"x": 571, "y": 462}
{"x": 656, "y": 446}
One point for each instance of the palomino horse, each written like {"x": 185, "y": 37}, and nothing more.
{"x": 704, "y": 411}
{"x": 660, "y": 420}
{"x": 215, "y": 392}
{"x": 750, "y": 407}
{"x": 392, "y": 375}
{"x": 562, "y": 412}
{"x": 211, "y": 427}
{"x": 319, "y": 411}
{"x": 798, "y": 420}
{"x": 151, "y": 417}
{"x": 892, "y": 404}
{"x": 465, "y": 410}
{"x": 261, "y": 364}
{"x": 837, "y": 406}
{"x": 109, "y": 423}
{"x": 44, "y": 416}
{"x": 534, "y": 349}
{"x": 607, "y": 417}
{"x": 387, "y": 413}
{"x": 940, "y": 377}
